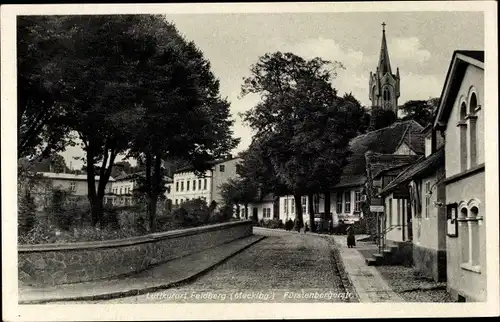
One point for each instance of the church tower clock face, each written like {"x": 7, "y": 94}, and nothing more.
{"x": 385, "y": 91}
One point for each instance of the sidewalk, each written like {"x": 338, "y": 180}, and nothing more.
{"x": 167, "y": 275}
{"x": 367, "y": 281}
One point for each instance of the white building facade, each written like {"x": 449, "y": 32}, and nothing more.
{"x": 186, "y": 185}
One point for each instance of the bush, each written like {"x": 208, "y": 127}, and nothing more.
{"x": 289, "y": 225}
{"x": 26, "y": 214}
{"x": 272, "y": 223}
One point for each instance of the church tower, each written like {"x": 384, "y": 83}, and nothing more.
{"x": 384, "y": 85}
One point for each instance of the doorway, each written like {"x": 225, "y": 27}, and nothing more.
{"x": 255, "y": 213}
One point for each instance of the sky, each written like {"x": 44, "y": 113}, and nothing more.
{"x": 420, "y": 44}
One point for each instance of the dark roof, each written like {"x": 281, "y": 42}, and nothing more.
{"x": 131, "y": 176}
{"x": 453, "y": 80}
{"x": 384, "y": 141}
{"x": 474, "y": 54}
{"x": 419, "y": 169}
{"x": 212, "y": 163}
{"x": 268, "y": 197}
{"x": 384, "y": 162}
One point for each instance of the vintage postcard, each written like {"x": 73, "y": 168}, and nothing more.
{"x": 256, "y": 160}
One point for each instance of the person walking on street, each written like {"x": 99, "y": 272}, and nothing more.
{"x": 351, "y": 239}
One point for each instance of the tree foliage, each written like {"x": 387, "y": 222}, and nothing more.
{"x": 40, "y": 86}
{"x": 421, "y": 111}
{"x": 302, "y": 128}
{"x": 241, "y": 191}
{"x": 381, "y": 118}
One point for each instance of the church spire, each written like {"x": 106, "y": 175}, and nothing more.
{"x": 384, "y": 65}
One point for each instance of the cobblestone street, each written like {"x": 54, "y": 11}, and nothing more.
{"x": 281, "y": 268}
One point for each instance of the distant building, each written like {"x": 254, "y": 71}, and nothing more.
{"x": 384, "y": 85}
{"x": 75, "y": 183}
{"x": 123, "y": 187}
{"x": 187, "y": 185}
{"x": 264, "y": 209}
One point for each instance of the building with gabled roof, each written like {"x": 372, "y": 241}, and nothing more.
{"x": 461, "y": 117}
{"x": 446, "y": 189}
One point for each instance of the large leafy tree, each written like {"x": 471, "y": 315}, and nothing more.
{"x": 180, "y": 113}
{"x": 99, "y": 93}
{"x": 241, "y": 191}
{"x": 299, "y": 122}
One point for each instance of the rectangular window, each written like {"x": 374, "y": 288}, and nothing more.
{"x": 304, "y": 205}
{"x": 204, "y": 184}
{"x": 177, "y": 186}
{"x": 120, "y": 190}
{"x": 182, "y": 185}
{"x": 316, "y": 204}
{"x": 187, "y": 185}
{"x": 339, "y": 202}
{"x": 72, "y": 186}
{"x": 199, "y": 184}
{"x": 347, "y": 202}
{"x": 222, "y": 168}
{"x": 194, "y": 185}
{"x": 427, "y": 198}
{"x": 357, "y": 201}
{"x": 293, "y": 205}
{"x": 286, "y": 206}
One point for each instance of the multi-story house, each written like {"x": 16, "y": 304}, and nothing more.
{"x": 123, "y": 187}
{"x": 75, "y": 183}
{"x": 419, "y": 193}
{"x": 188, "y": 185}
{"x": 461, "y": 116}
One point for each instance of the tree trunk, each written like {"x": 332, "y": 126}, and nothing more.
{"x": 371, "y": 220}
{"x": 310, "y": 199}
{"x": 95, "y": 207}
{"x": 328, "y": 206}
{"x": 298, "y": 209}
{"x": 104, "y": 175}
{"x": 148, "y": 185}
{"x": 155, "y": 191}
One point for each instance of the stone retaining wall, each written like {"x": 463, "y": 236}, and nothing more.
{"x": 54, "y": 264}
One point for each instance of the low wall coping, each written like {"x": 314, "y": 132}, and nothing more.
{"x": 128, "y": 241}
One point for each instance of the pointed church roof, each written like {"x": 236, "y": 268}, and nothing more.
{"x": 384, "y": 65}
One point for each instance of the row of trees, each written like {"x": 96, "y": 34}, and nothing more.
{"x": 121, "y": 84}
{"x": 302, "y": 130}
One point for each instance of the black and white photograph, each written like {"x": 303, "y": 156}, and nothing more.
{"x": 250, "y": 160}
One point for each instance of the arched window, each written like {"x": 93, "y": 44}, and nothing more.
{"x": 474, "y": 236}
{"x": 463, "y": 137}
{"x": 472, "y": 130}
{"x": 464, "y": 234}
{"x": 473, "y": 103}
